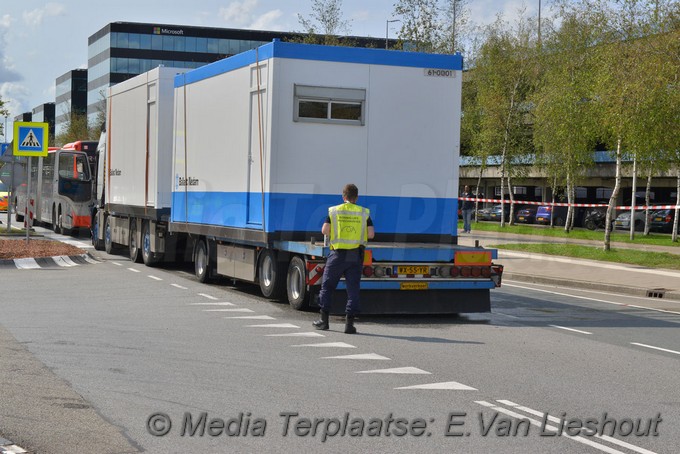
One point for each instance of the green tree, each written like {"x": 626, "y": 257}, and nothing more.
{"x": 420, "y": 25}
{"x": 325, "y": 24}
{"x": 563, "y": 129}
{"x": 76, "y": 128}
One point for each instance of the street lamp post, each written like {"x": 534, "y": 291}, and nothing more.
{"x": 387, "y": 30}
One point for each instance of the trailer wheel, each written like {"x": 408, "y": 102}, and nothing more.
{"x": 150, "y": 258}
{"x": 108, "y": 239}
{"x": 271, "y": 275}
{"x": 96, "y": 242}
{"x": 135, "y": 253}
{"x": 202, "y": 262}
{"x": 296, "y": 284}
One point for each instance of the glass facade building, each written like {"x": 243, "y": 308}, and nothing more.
{"x": 122, "y": 50}
{"x": 70, "y": 96}
{"x": 44, "y": 113}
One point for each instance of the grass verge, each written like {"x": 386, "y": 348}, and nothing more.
{"x": 628, "y": 256}
{"x": 620, "y": 236}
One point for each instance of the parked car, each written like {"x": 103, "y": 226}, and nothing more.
{"x": 622, "y": 221}
{"x": 484, "y": 214}
{"x": 496, "y": 210}
{"x": 526, "y": 214}
{"x": 662, "y": 221}
{"x": 545, "y": 212}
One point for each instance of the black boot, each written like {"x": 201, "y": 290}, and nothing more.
{"x": 322, "y": 323}
{"x": 349, "y": 325}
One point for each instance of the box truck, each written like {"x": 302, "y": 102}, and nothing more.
{"x": 233, "y": 166}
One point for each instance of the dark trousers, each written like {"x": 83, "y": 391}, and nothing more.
{"x": 347, "y": 262}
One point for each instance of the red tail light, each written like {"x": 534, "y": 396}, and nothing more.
{"x": 368, "y": 271}
{"x": 465, "y": 271}
{"x": 486, "y": 271}
{"x": 455, "y": 271}
{"x": 476, "y": 271}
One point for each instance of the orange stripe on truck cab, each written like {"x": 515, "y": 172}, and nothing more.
{"x": 472, "y": 258}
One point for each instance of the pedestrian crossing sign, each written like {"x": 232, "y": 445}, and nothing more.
{"x": 30, "y": 138}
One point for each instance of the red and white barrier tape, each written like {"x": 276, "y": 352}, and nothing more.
{"x": 561, "y": 204}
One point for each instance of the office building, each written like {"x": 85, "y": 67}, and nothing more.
{"x": 44, "y": 113}
{"x": 71, "y": 97}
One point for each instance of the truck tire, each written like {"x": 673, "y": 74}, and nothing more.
{"x": 55, "y": 221}
{"x": 108, "y": 238}
{"x": 96, "y": 242}
{"x": 271, "y": 275}
{"x": 135, "y": 251}
{"x": 202, "y": 265}
{"x": 296, "y": 284}
{"x": 150, "y": 258}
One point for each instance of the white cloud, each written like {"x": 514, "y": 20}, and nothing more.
{"x": 34, "y": 18}
{"x": 7, "y": 72}
{"x": 238, "y": 14}
{"x": 5, "y": 21}
{"x": 15, "y": 97}
{"x": 267, "y": 21}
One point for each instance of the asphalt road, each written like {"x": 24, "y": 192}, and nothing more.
{"x": 94, "y": 358}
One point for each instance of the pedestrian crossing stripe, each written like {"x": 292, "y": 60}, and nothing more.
{"x": 31, "y": 138}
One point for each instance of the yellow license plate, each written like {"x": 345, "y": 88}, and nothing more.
{"x": 413, "y": 270}
{"x": 414, "y": 286}
{"x": 658, "y": 219}
{"x": 521, "y": 218}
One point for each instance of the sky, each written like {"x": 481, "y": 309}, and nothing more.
{"x": 41, "y": 40}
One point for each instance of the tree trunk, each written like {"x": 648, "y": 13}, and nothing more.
{"x": 674, "y": 238}
{"x": 647, "y": 191}
{"x": 633, "y": 200}
{"x": 612, "y": 200}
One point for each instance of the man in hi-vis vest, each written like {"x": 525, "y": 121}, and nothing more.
{"x": 349, "y": 227}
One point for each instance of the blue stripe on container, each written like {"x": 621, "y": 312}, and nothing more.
{"x": 306, "y": 212}
{"x": 278, "y": 49}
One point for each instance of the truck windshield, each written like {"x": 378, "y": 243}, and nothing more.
{"x": 74, "y": 176}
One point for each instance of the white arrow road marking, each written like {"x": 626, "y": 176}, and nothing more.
{"x": 308, "y": 334}
{"x": 238, "y": 309}
{"x": 444, "y": 385}
{"x": 360, "y": 356}
{"x": 328, "y": 344}
{"x": 274, "y": 325}
{"x": 252, "y": 317}
{"x": 396, "y": 370}
{"x": 210, "y": 297}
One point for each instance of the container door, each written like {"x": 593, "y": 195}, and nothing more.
{"x": 255, "y": 168}
{"x": 151, "y": 145}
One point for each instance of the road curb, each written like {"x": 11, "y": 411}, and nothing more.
{"x": 58, "y": 261}
{"x": 589, "y": 285}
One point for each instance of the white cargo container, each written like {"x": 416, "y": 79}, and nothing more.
{"x": 263, "y": 143}
{"x": 135, "y": 180}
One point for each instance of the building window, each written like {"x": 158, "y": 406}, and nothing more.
{"x": 329, "y": 105}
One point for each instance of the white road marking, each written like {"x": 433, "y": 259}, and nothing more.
{"x": 360, "y": 356}
{"x": 307, "y": 334}
{"x": 117, "y": 264}
{"x": 570, "y": 329}
{"x": 328, "y": 344}
{"x": 505, "y": 315}
{"x": 396, "y": 370}
{"x": 590, "y": 299}
{"x": 59, "y": 260}
{"x": 237, "y": 309}
{"x": 155, "y": 278}
{"x": 274, "y": 325}
{"x": 556, "y": 420}
{"x": 454, "y": 385}
{"x": 656, "y": 348}
{"x": 210, "y": 297}
{"x": 548, "y": 427}
{"x": 179, "y": 286}
{"x": 12, "y": 449}
{"x": 134, "y": 270}
{"x": 212, "y": 304}
{"x": 68, "y": 260}
{"x": 26, "y": 264}
{"x": 252, "y": 317}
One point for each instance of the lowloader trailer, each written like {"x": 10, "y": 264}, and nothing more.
{"x": 233, "y": 166}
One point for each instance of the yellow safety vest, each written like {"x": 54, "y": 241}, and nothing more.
{"x": 348, "y": 226}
